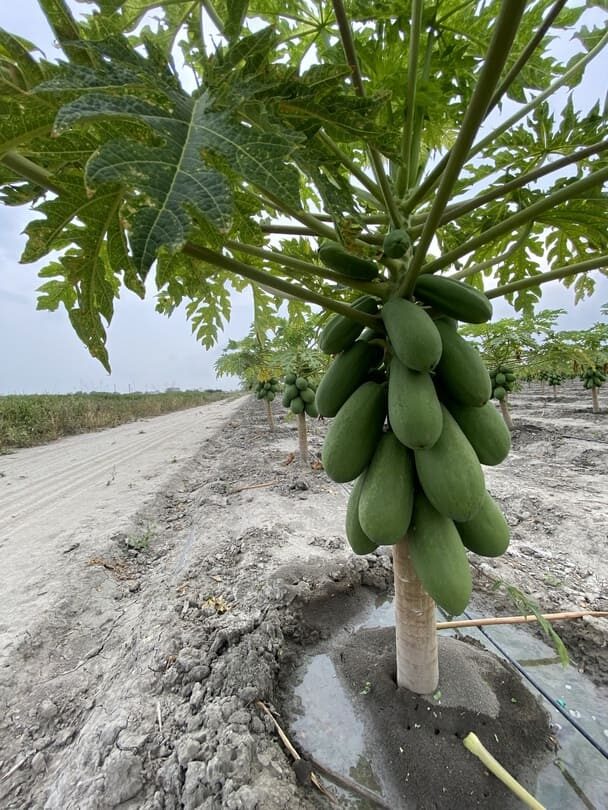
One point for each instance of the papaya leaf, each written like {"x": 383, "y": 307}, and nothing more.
{"x": 166, "y": 181}
{"x": 89, "y": 232}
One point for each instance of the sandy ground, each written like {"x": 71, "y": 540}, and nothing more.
{"x": 153, "y": 577}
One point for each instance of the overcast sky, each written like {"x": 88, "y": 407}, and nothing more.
{"x": 40, "y": 353}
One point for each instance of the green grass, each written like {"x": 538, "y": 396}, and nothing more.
{"x": 35, "y": 419}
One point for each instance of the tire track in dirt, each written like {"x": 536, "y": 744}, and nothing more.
{"x": 59, "y": 481}
{"x": 78, "y": 493}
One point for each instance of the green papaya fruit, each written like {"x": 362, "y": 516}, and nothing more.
{"x": 453, "y": 298}
{"x": 357, "y": 539}
{"x": 341, "y": 332}
{"x": 354, "y": 433}
{"x": 461, "y": 371}
{"x": 387, "y": 496}
{"x": 488, "y": 532}
{"x": 439, "y": 557}
{"x": 345, "y": 374}
{"x": 485, "y": 429}
{"x": 334, "y": 256}
{"x": 414, "y": 410}
{"x": 413, "y": 335}
{"x": 450, "y": 473}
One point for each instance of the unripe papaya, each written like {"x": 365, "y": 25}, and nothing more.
{"x": 453, "y": 298}
{"x": 450, "y": 473}
{"x": 334, "y": 256}
{"x": 396, "y": 243}
{"x": 308, "y": 395}
{"x": 488, "y": 532}
{"x": 357, "y": 539}
{"x": 291, "y": 391}
{"x": 485, "y": 429}
{"x": 414, "y": 410}
{"x": 439, "y": 557}
{"x": 311, "y": 410}
{"x": 412, "y": 333}
{"x": 354, "y": 433}
{"x": 346, "y": 373}
{"x": 461, "y": 371}
{"x": 297, "y": 405}
{"x": 387, "y": 496}
{"x": 500, "y": 392}
{"x": 341, "y": 332}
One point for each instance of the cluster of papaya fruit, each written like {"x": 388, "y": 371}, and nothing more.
{"x": 554, "y": 378}
{"x": 593, "y": 378}
{"x": 266, "y": 389}
{"x": 299, "y": 395}
{"x": 419, "y": 470}
{"x": 502, "y": 379}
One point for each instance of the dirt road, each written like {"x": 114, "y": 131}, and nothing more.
{"x": 62, "y": 501}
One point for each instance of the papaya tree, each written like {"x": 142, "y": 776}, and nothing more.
{"x": 253, "y": 362}
{"x": 504, "y": 345}
{"x": 222, "y": 144}
{"x": 294, "y": 343}
{"x": 593, "y": 344}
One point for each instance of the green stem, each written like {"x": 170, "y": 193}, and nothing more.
{"x": 309, "y": 220}
{"x": 527, "y": 52}
{"x": 288, "y": 230}
{"x": 365, "y": 181}
{"x": 479, "y": 268}
{"x": 66, "y": 31}
{"x": 410, "y": 98}
{"x": 278, "y": 285}
{"x": 348, "y": 44}
{"x": 597, "y": 263}
{"x": 415, "y": 168}
{"x": 213, "y": 15}
{"x": 460, "y": 209}
{"x": 425, "y": 188}
{"x": 504, "y": 33}
{"x": 29, "y": 170}
{"x": 307, "y": 267}
{"x": 474, "y": 745}
{"x": 529, "y": 214}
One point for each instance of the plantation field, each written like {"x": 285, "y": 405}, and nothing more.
{"x": 28, "y": 420}
{"x": 156, "y": 578}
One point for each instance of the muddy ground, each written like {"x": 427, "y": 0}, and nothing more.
{"x": 147, "y": 610}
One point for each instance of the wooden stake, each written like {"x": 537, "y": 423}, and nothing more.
{"x": 415, "y": 627}
{"x": 550, "y": 617}
{"x": 287, "y": 743}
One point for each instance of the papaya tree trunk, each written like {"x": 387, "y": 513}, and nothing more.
{"x": 595, "y": 399}
{"x": 269, "y": 415}
{"x": 504, "y": 409}
{"x": 302, "y": 438}
{"x": 415, "y": 626}
{"x": 554, "y": 391}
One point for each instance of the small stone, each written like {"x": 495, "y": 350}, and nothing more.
{"x": 65, "y": 735}
{"x": 38, "y": 763}
{"x": 198, "y": 674}
{"x": 47, "y": 709}
{"x": 187, "y": 750}
{"x": 122, "y": 777}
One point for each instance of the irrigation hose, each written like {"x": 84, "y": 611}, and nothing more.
{"x": 543, "y": 692}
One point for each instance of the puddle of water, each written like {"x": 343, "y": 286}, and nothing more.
{"x": 576, "y": 779}
{"x": 336, "y": 737}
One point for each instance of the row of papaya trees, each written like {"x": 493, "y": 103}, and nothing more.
{"x": 324, "y": 152}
